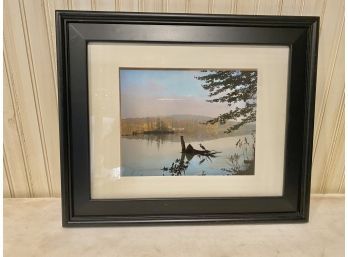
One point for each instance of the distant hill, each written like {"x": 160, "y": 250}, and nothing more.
{"x": 175, "y": 117}
{"x": 184, "y": 124}
{"x": 189, "y": 117}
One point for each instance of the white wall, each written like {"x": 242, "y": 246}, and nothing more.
{"x": 31, "y": 144}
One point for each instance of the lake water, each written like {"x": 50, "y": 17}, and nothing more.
{"x": 151, "y": 155}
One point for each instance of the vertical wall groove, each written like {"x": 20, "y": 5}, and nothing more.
{"x": 19, "y": 127}
{"x": 302, "y": 7}
{"x": 188, "y": 6}
{"x": 322, "y": 17}
{"x": 69, "y": 4}
{"x": 165, "y": 5}
{"x": 340, "y": 187}
{"x": 231, "y": 7}
{"x": 257, "y": 4}
{"x": 93, "y": 5}
{"x": 50, "y": 37}
{"x": 333, "y": 141}
{"x": 140, "y": 5}
{"x": 8, "y": 175}
{"x": 280, "y": 7}
{"x": 36, "y": 95}
{"x": 211, "y": 6}
{"x": 326, "y": 92}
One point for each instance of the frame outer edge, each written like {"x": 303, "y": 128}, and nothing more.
{"x": 62, "y": 19}
{"x": 312, "y": 78}
{"x": 63, "y": 125}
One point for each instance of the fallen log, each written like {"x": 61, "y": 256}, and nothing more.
{"x": 190, "y": 150}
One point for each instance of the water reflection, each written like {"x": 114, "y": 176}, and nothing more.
{"x": 179, "y": 166}
{"x": 160, "y": 139}
{"x": 161, "y": 155}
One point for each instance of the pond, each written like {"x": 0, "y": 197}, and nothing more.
{"x": 160, "y": 155}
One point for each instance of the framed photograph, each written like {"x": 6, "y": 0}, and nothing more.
{"x": 176, "y": 118}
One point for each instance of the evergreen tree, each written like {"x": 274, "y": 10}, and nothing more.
{"x": 237, "y": 88}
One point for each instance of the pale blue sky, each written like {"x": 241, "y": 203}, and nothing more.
{"x": 150, "y": 93}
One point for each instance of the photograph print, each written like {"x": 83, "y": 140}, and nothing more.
{"x": 188, "y": 122}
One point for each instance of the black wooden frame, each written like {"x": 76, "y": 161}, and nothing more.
{"x": 76, "y": 29}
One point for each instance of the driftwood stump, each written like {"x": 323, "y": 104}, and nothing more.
{"x": 190, "y": 150}
{"x": 183, "y": 147}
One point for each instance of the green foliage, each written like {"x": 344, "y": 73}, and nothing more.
{"x": 235, "y": 88}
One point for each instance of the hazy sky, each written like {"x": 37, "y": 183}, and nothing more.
{"x": 150, "y": 93}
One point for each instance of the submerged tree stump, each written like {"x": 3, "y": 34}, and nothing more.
{"x": 183, "y": 147}
{"x": 190, "y": 150}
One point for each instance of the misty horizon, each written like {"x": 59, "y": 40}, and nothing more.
{"x": 148, "y": 93}
{"x": 167, "y": 116}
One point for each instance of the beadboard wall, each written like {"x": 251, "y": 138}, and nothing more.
{"x": 31, "y": 140}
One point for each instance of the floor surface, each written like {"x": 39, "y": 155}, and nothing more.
{"x": 32, "y": 227}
